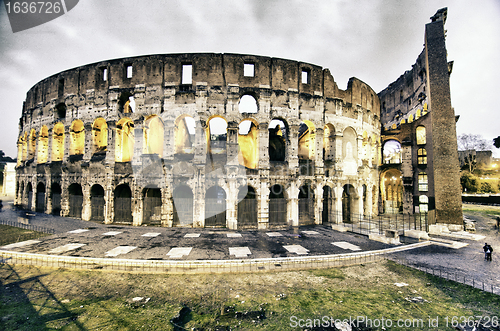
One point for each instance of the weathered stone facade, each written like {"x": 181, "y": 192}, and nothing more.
{"x": 417, "y": 114}
{"x": 240, "y": 141}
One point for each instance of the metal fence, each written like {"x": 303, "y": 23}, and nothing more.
{"x": 378, "y": 224}
{"x": 30, "y": 227}
{"x": 450, "y": 276}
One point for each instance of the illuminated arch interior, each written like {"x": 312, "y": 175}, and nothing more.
{"x": 349, "y": 144}
{"x": 153, "y": 136}
{"x": 43, "y": 145}
{"x": 391, "y": 189}
{"x": 307, "y": 139}
{"x": 77, "y": 138}
{"x": 184, "y": 134}
{"x": 32, "y": 144}
{"x": 58, "y": 142}
{"x": 100, "y": 135}
{"x": 124, "y": 142}
{"x": 392, "y": 152}
{"x": 248, "y": 153}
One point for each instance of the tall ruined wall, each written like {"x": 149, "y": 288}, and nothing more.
{"x": 420, "y": 100}
{"x": 123, "y": 122}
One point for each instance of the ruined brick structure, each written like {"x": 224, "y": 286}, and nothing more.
{"x": 231, "y": 140}
{"x": 418, "y": 122}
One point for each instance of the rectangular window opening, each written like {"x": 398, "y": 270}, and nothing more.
{"x": 187, "y": 74}
{"x": 249, "y": 70}
{"x": 129, "y": 71}
{"x": 104, "y": 74}
{"x": 60, "y": 92}
{"x": 306, "y": 77}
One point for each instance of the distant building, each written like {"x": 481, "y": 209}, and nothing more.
{"x": 8, "y": 179}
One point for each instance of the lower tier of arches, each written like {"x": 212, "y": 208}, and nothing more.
{"x": 237, "y": 203}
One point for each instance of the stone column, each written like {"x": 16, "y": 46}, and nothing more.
{"x": 87, "y": 206}
{"x": 67, "y": 144}
{"x": 318, "y": 157}
{"x": 110, "y": 148}
{"x": 89, "y": 144}
{"x": 263, "y": 205}
{"x": 293, "y": 204}
{"x": 232, "y": 144}
{"x": 263, "y": 142}
{"x": 49, "y": 145}
{"x": 338, "y": 203}
{"x": 292, "y": 148}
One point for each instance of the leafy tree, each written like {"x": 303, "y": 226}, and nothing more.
{"x": 485, "y": 187}
{"x": 469, "y": 182}
{"x": 469, "y": 144}
{"x": 496, "y": 142}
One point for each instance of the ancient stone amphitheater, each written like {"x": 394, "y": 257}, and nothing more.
{"x": 202, "y": 140}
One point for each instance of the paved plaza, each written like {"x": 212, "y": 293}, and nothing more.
{"x": 74, "y": 237}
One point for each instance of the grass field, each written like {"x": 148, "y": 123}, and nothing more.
{"x": 47, "y": 299}
{"x": 11, "y": 234}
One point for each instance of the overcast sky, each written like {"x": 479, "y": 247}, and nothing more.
{"x": 373, "y": 40}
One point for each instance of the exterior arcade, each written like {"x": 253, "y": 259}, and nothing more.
{"x": 237, "y": 141}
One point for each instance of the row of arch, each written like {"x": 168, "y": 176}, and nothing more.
{"x": 184, "y": 135}
{"x": 155, "y": 204}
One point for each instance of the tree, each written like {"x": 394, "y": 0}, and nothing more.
{"x": 468, "y": 144}
{"x": 496, "y": 142}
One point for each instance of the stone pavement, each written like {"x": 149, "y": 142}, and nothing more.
{"x": 89, "y": 239}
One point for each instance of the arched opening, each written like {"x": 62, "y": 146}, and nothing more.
{"x": 248, "y": 152}
{"x": 183, "y": 206}
{"x": 329, "y": 143}
{"x": 184, "y": 136}
{"x": 306, "y": 205}
{"x": 123, "y": 204}
{"x": 248, "y": 104}
{"x": 60, "y": 110}
{"x": 58, "y": 142}
{"x": 215, "y": 207}
{"x": 327, "y": 215}
{"x": 40, "y": 198}
{"x": 349, "y": 210}
{"x": 350, "y": 151}
{"x": 99, "y": 136}
{"x": 124, "y": 142}
{"x": 307, "y": 140}
{"x": 423, "y": 204}
{"x": 216, "y": 136}
{"x": 153, "y": 136}
{"x": 392, "y": 191}
{"x": 75, "y": 199}
{"x": 278, "y": 132}
{"x": 151, "y": 206}
{"x": 277, "y": 206}
{"x": 55, "y": 192}
{"x": 392, "y": 152}
{"x": 77, "y": 138}
{"x": 97, "y": 203}
{"x": 247, "y": 208}
{"x": 126, "y": 103}
{"x": 31, "y": 144}
{"x": 29, "y": 188}
{"x": 43, "y": 145}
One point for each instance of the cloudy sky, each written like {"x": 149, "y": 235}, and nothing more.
{"x": 373, "y": 40}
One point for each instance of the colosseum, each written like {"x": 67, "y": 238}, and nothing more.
{"x": 238, "y": 141}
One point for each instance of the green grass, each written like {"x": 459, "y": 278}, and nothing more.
{"x": 485, "y": 210}
{"x": 47, "y": 299}
{"x": 11, "y": 234}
